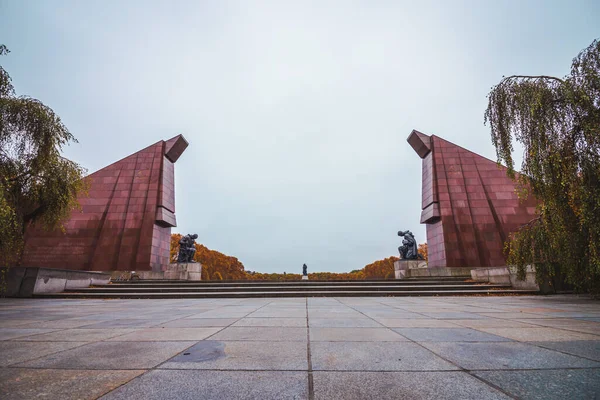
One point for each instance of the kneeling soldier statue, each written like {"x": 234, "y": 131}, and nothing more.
{"x": 409, "y": 249}
{"x": 187, "y": 249}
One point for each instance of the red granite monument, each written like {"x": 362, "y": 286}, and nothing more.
{"x": 469, "y": 205}
{"x": 125, "y": 221}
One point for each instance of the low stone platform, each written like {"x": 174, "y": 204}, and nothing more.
{"x": 405, "y": 269}
{"x": 29, "y": 281}
{"x": 507, "y": 275}
{"x": 175, "y": 271}
{"x": 506, "y": 347}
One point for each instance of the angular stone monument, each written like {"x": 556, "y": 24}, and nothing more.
{"x": 125, "y": 219}
{"x": 469, "y": 205}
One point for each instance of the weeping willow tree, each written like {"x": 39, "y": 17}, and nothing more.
{"x": 37, "y": 184}
{"x": 557, "y": 122}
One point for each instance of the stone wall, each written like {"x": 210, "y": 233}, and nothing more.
{"x": 25, "y": 282}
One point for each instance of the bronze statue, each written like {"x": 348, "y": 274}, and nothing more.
{"x": 304, "y": 270}
{"x": 187, "y": 249}
{"x": 409, "y": 249}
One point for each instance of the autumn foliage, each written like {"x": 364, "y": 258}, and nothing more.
{"x": 423, "y": 251}
{"x": 218, "y": 266}
{"x": 382, "y": 269}
{"x": 215, "y": 266}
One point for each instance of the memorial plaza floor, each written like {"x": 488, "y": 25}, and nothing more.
{"x": 534, "y": 347}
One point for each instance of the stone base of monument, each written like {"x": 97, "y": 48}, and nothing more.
{"x": 304, "y": 277}
{"x": 27, "y": 281}
{"x": 184, "y": 271}
{"x": 175, "y": 271}
{"x": 405, "y": 269}
{"x": 506, "y": 275}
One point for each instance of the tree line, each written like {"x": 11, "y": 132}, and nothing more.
{"x": 217, "y": 266}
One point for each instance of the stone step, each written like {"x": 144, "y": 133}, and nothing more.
{"x": 254, "y": 293}
{"x": 246, "y": 284}
{"x": 284, "y": 288}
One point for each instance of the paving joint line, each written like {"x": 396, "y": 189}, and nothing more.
{"x": 311, "y": 391}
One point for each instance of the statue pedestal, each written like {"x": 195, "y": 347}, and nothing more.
{"x": 402, "y": 267}
{"x": 304, "y": 277}
{"x": 184, "y": 271}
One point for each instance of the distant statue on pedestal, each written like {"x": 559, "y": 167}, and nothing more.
{"x": 304, "y": 270}
{"x": 187, "y": 249}
{"x": 409, "y": 249}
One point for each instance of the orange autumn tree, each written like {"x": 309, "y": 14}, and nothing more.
{"x": 382, "y": 269}
{"x": 337, "y": 276}
{"x": 215, "y": 265}
{"x": 262, "y": 276}
{"x": 423, "y": 251}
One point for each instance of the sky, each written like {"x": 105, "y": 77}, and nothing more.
{"x": 297, "y": 112}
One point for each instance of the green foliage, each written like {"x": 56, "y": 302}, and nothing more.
{"x": 37, "y": 184}
{"x": 557, "y": 120}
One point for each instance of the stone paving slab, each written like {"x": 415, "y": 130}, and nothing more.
{"x": 242, "y": 355}
{"x": 375, "y": 356}
{"x": 452, "y": 315}
{"x": 539, "y": 334}
{"x": 198, "y": 323}
{"x": 416, "y": 323}
{"x": 570, "y": 324}
{"x": 401, "y": 385}
{"x": 355, "y": 335}
{"x": 307, "y": 348}
{"x": 284, "y": 313}
{"x": 219, "y": 314}
{"x": 59, "y": 324}
{"x": 127, "y": 323}
{"x": 448, "y": 335}
{"x": 492, "y": 323}
{"x": 283, "y": 322}
{"x": 514, "y": 315}
{"x": 505, "y": 355}
{"x": 78, "y": 335}
{"x": 583, "y": 348}
{"x": 214, "y": 385}
{"x": 8, "y": 322}
{"x": 20, "y": 383}
{"x": 111, "y": 355}
{"x": 362, "y": 322}
{"x": 276, "y": 334}
{"x": 13, "y": 333}
{"x": 166, "y": 334}
{"x": 547, "y": 384}
{"x": 328, "y": 314}
{"x": 13, "y": 352}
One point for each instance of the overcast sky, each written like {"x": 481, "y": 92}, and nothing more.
{"x": 297, "y": 112}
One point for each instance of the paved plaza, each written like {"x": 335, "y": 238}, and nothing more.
{"x": 295, "y": 348}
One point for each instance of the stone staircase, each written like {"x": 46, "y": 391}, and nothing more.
{"x": 170, "y": 289}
